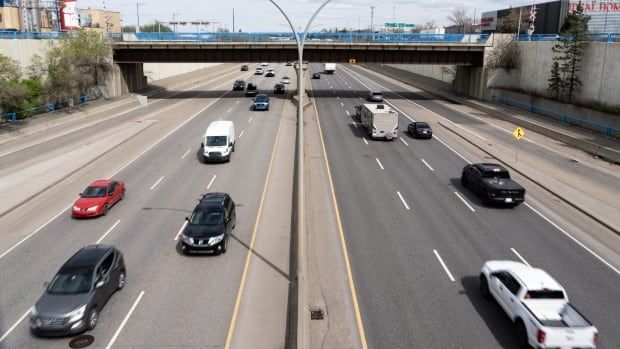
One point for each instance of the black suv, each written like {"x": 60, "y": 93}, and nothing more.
{"x": 74, "y": 298}
{"x": 278, "y": 89}
{"x": 239, "y": 85}
{"x": 251, "y": 90}
{"x": 210, "y": 225}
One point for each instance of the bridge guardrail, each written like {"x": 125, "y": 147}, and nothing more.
{"x": 563, "y": 117}
{"x": 595, "y": 37}
{"x": 47, "y": 107}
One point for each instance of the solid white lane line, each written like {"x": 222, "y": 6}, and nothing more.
{"x": 180, "y": 231}
{"x": 124, "y": 166}
{"x": 342, "y": 105}
{"x": 520, "y": 257}
{"x": 348, "y": 113}
{"x": 574, "y": 239}
{"x": 156, "y": 183}
{"x": 211, "y": 182}
{"x": 465, "y": 202}
{"x": 241, "y": 134}
{"x": 187, "y": 152}
{"x": 380, "y": 164}
{"x": 454, "y": 151}
{"x": 365, "y": 141}
{"x": 427, "y": 165}
{"x": 120, "y": 328}
{"x": 108, "y": 232}
{"x": 403, "y": 200}
{"x": 444, "y": 265}
{"x": 250, "y": 120}
{"x": 361, "y": 98}
{"x": 8, "y": 332}
{"x": 34, "y": 232}
{"x": 229, "y": 110}
{"x": 404, "y": 141}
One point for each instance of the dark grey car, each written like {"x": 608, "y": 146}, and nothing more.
{"x": 74, "y": 298}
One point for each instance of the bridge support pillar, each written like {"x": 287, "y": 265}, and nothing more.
{"x": 126, "y": 78}
{"x": 471, "y": 81}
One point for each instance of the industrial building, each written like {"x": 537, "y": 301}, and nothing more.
{"x": 55, "y": 16}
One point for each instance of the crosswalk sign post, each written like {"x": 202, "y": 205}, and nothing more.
{"x": 518, "y": 133}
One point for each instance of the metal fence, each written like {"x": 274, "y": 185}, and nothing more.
{"x": 599, "y": 37}
{"x": 563, "y": 117}
{"x": 48, "y": 107}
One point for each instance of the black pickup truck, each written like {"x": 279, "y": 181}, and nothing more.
{"x": 493, "y": 183}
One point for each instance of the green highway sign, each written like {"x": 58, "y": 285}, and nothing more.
{"x": 399, "y": 25}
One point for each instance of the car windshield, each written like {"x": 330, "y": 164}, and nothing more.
{"x": 262, "y": 98}
{"x": 251, "y": 87}
{"x": 94, "y": 192}
{"x": 422, "y": 125}
{"x": 496, "y": 174}
{"x": 376, "y": 94}
{"x": 285, "y": 78}
{"x": 216, "y": 141}
{"x": 71, "y": 281}
{"x": 207, "y": 217}
{"x": 239, "y": 82}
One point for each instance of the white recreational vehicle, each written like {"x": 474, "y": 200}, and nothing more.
{"x": 379, "y": 119}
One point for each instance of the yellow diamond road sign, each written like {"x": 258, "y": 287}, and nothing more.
{"x": 519, "y": 133}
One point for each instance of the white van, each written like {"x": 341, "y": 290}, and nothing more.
{"x": 219, "y": 141}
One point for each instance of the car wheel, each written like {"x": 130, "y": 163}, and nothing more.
{"x": 225, "y": 245}
{"x": 121, "y": 280}
{"x": 105, "y": 210}
{"x": 464, "y": 180}
{"x": 484, "y": 287}
{"x": 93, "y": 317}
{"x": 233, "y": 148}
{"x": 521, "y": 335}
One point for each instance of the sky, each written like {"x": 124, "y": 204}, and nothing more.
{"x": 261, "y": 15}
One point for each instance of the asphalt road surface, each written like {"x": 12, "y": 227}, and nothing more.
{"x": 417, "y": 239}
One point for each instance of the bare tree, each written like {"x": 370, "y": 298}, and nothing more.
{"x": 510, "y": 22}
{"x": 461, "y": 19}
{"x": 505, "y": 54}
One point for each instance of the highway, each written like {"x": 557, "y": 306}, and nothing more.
{"x": 417, "y": 239}
{"x": 170, "y": 300}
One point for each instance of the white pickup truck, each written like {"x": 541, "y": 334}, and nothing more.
{"x": 537, "y": 305}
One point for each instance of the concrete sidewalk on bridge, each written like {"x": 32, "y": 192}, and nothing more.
{"x": 603, "y": 210}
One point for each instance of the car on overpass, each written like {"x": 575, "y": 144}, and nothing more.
{"x": 210, "y": 225}
{"x": 98, "y": 198}
{"x": 493, "y": 183}
{"x": 73, "y": 300}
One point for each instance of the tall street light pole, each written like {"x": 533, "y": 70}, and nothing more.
{"x": 138, "y": 4}
{"x": 301, "y": 341}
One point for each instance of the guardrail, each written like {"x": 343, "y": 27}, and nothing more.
{"x": 599, "y": 37}
{"x": 563, "y": 117}
{"x": 47, "y": 107}
{"x": 310, "y": 37}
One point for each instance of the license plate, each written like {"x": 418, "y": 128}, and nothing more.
{"x": 508, "y": 199}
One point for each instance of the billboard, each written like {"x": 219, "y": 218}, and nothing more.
{"x": 69, "y": 19}
{"x": 488, "y": 21}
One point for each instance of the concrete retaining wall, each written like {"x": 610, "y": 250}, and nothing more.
{"x": 22, "y": 50}
{"x": 438, "y": 72}
{"x": 158, "y": 71}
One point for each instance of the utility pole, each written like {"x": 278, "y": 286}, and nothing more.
{"x": 233, "y": 20}
{"x": 372, "y": 17}
{"x": 138, "y": 15}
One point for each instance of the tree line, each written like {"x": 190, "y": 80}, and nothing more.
{"x": 75, "y": 65}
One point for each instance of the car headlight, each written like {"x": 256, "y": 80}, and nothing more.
{"x": 77, "y": 314}
{"x": 216, "y": 239}
{"x": 93, "y": 208}
{"x": 75, "y": 208}
{"x": 187, "y": 239}
{"x": 33, "y": 311}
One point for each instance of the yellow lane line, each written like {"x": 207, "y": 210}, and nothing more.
{"x": 233, "y": 321}
{"x": 358, "y": 315}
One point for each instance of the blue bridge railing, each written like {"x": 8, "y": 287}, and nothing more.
{"x": 47, "y": 107}
{"x": 563, "y": 117}
{"x": 598, "y": 37}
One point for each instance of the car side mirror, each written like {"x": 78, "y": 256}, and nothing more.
{"x": 80, "y": 194}
{"x": 493, "y": 275}
{"x": 202, "y": 145}
{"x": 187, "y": 218}
{"x": 99, "y": 283}
{"x": 227, "y": 219}
{"x": 230, "y": 144}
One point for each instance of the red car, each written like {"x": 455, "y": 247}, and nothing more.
{"x": 98, "y": 197}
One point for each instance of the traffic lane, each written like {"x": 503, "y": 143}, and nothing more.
{"x": 78, "y": 134}
{"x": 57, "y": 234}
{"x": 207, "y": 285}
{"x": 372, "y": 194}
{"x": 21, "y": 223}
{"x": 152, "y": 222}
{"x": 489, "y": 131}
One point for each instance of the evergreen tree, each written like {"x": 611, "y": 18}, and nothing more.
{"x": 569, "y": 49}
{"x": 556, "y": 83}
